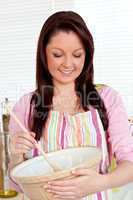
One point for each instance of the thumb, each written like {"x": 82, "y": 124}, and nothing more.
{"x": 82, "y": 172}
{"x": 32, "y": 134}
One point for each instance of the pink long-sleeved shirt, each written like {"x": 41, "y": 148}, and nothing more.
{"x": 120, "y": 138}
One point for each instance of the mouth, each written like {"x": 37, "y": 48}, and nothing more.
{"x": 66, "y": 71}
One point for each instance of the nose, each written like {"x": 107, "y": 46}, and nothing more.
{"x": 68, "y": 62}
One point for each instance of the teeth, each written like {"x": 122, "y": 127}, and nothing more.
{"x": 67, "y": 71}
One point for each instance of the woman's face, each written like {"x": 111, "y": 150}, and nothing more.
{"x": 65, "y": 57}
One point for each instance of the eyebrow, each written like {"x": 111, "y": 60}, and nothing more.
{"x": 63, "y": 50}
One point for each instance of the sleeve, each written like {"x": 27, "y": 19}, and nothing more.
{"x": 120, "y": 137}
{"x": 21, "y": 111}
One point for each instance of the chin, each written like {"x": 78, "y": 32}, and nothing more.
{"x": 65, "y": 81}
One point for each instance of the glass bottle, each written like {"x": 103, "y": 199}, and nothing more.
{"x": 5, "y": 190}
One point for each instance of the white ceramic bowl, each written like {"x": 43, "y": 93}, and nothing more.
{"x": 33, "y": 174}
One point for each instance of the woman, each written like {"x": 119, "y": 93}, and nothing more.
{"x": 67, "y": 102}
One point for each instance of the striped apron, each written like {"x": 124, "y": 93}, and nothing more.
{"x": 63, "y": 131}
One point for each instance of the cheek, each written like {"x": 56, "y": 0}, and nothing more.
{"x": 80, "y": 64}
{"x": 51, "y": 61}
{"x": 52, "y": 64}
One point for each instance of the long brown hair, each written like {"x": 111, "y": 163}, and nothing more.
{"x": 41, "y": 100}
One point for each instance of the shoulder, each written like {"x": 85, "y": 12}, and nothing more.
{"x": 111, "y": 97}
{"x": 24, "y": 102}
{"x": 107, "y": 93}
{"x": 105, "y": 90}
{"x": 25, "y": 98}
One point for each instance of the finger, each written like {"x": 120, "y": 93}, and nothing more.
{"x": 61, "y": 193}
{"x": 64, "y": 197}
{"x": 24, "y": 142}
{"x": 29, "y": 137}
{"x": 21, "y": 150}
{"x": 20, "y": 145}
{"x": 82, "y": 172}
{"x": 58, "y": 188}
{"x": 33, "y": 134}
{"x": 69, "y": 182}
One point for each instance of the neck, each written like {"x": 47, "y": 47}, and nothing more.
{"x": 64, "y": 89}
{"x": 65, "y": 98}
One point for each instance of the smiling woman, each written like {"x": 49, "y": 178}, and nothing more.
{"x": 68, "y": 110}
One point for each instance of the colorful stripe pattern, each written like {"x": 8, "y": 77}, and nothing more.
{"x": 63, "y": 130}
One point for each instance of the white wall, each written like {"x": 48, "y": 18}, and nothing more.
{"x": 111, "y": 25}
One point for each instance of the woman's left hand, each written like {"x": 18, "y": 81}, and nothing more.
{"x": 85, "y": 182}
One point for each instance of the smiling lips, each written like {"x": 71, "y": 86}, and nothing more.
{"x": 67, "y": 71}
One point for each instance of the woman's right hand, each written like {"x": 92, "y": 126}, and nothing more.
{"x": 21, "y": 143}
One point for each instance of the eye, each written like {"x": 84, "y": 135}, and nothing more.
{"x": 77, "y": 55}
{"x": 57, "y": 55}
